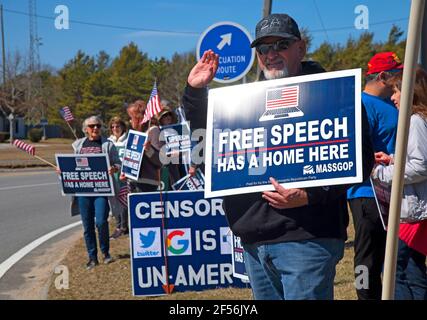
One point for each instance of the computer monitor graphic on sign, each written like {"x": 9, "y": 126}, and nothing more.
{"x": 281, "y": 103}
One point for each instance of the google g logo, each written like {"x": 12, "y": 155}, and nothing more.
{"x": 178, "y": 241}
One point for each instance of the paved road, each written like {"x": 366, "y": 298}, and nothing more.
{"x": 31, "y": 205}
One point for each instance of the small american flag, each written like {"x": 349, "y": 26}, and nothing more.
{"x": 66, "y": 114}
{"x": 123, "y": 194}
{"x": 24, "y": 146}
{"x": 282, "y": 97}
{"x": 153, "y": 105}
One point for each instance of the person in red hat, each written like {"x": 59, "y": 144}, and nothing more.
{"x": 370, "y": 236}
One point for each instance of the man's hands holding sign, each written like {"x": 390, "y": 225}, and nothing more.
{"x": 285, "y": 198}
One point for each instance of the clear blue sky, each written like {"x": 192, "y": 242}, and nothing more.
{"x": 181, "y": 22}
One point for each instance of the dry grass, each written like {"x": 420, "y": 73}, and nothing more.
{"x": 12, "y": 157}
{"x": 113, "y": 281}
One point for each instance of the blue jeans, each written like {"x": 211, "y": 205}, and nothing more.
{"x": 94, "y": 211}
{"x": 411, "y": 279}
{"x": 297, "y": 270}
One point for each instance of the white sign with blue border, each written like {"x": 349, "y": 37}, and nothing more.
{"x": 238, "y": 259}
{"x": 133, "y": 154}
{"x": 196, "y": 182}
{"x": 303, "y": 131}
{"x": 179, "y": 242}
{"x": 85, "y": 174}
{"x": 232, "y": 43}
{"x": 176, "y": 137}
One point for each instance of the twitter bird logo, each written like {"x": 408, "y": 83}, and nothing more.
{"x": 147, "y": 240}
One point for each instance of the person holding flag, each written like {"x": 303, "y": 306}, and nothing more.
{"x": 149, "y": 175}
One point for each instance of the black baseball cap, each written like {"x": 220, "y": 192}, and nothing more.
{"x": 276, "y": 25}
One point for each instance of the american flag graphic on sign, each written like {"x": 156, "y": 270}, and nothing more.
{"x": 66, "y": 114}
{"x": 123, "y": 194}
{"x": 282, "y": 97}
{"x": 24, "y": 146}
{"x": 82, "y": 162}
{"x": 153, "y": 105}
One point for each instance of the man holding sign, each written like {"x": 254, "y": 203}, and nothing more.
{"x": 293, "y": 238}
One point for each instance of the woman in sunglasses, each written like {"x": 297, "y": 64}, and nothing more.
{"x": 94, "y": 210}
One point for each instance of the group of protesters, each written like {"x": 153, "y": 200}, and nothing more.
{"x": 293, "y": 239}
{"x": 95, "y": 211}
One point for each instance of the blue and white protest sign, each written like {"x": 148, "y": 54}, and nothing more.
{"x": 133, "y": 154}
{"x": 197, "y": 182}
{"x": 303, "y": 131}
{"x": 189, "y": 251}
{"x": 85, "y": 174}
{"x": 232, "y": 43}
{"x": 238, "y": 259}
{"x": 176, "y": 137}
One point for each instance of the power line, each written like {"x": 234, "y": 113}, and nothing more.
{"x": 370, "y": 24}
{"x": 321, "y": 20}
{"x": 106, "y": 25}
{"x": 187, "y": 32}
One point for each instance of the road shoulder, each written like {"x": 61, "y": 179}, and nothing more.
{"x": 30, "y": 278}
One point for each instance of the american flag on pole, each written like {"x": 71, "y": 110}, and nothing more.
{"x": 24, "y": 146}
{"x": 66, "y": 114}
{"x": 123, "y": 194}
{"x": 153, "y": 105}
{"x": 282, "y": 97}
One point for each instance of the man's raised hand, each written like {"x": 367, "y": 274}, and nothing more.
{"x": 204, "y": 70}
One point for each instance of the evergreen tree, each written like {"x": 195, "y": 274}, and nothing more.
{"x": 72, "y": 78}
{"x": 131, "y": 77}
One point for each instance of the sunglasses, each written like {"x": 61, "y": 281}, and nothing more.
{"x": 96, "y": 125}
{"x": 277, "y": 46}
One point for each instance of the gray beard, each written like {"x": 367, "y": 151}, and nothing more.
{"x": 276, "y": 74}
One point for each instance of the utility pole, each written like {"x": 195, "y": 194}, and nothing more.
{"x": 266, "y": 11}
{"x": 423, "y": 51}
{"x": 34, "y": 38}
{"x": 34, "y": 89}
{"x": 2, "y": 46}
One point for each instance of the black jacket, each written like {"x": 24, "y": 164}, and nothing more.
{"x": 255, "y": 221}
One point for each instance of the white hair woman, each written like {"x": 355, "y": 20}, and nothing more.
{"x": 94, "y": 210}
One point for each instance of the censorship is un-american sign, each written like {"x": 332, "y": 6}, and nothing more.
{"x": 303, "y": 131}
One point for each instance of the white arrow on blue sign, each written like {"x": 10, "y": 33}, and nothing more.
{"x": 232, "y": 43}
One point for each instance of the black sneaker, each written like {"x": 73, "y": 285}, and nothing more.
{"x": 91, "y": 264}
{"x": 117, "y": 233}
{"x": 107, "y": 259}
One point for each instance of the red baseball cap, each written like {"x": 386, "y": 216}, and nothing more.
{"x": 384, "y": 61}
